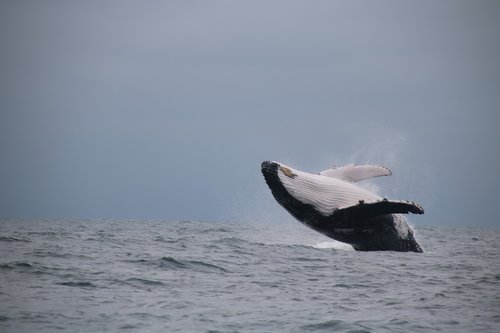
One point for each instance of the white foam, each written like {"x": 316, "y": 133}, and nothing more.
{"x": 334, "y": 245}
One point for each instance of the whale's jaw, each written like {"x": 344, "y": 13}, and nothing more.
{"x": 384, "y": 232}
{"x": 301, "y": 211}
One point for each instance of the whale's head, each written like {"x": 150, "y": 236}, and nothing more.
{"x": 274, "y": 173}
{"x": 270, "y": 171}
{"x": 289, "y": 187}
{"x": 277, "y": 176}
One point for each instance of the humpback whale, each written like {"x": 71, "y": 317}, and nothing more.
{"x": 331, "y": 203}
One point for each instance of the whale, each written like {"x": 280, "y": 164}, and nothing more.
{"x": 331, "y": 203}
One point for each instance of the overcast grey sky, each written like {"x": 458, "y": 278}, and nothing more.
{"x": 165, "y": 109}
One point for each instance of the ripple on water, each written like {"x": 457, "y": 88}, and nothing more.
{"x": 14, "y": 265}
{"x": 140, "y": 281}
{"x": 14, "y": 239}
{"x": 81, "y": 284}
{"x": 334, "y": 326}
{"x": 171, "y": 263}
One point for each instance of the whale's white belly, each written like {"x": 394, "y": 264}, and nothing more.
{"x": 324, "y": 193}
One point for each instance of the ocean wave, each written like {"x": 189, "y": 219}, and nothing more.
{"x": 135, "y": 281}
{"x": 232, "y": 241}
{"x": 13, "y": 239}
{"x": 171, "y": 263}
{"x": 216, "y": 230}
{"x": 14, "y": 265}
{"x": 328, "y": 325}
{"x": 52, "y": 254}
{"x": 304, "y": 259}
{"x": 38, "y": 269}
{"x": 83, "y": 284}
{"x": 170, "y": 240}
{"x": 46, "y": 233}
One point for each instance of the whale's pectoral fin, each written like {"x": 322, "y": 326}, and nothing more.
{"x": 355, "y": 173}
{"x": 366, "y": 210}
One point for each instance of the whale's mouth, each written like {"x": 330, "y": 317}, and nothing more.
{"x": 266, "y": 164}
{"x": 270, "y": 172}
{"x": 269, "y": 166}
{"x": 273, "y": 173}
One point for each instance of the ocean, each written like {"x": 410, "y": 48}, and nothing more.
{"x": 185, "y": 276}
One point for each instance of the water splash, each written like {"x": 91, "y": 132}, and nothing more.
{"x": 334, "y": 245}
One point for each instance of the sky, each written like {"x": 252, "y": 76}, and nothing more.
{"x": 165, "y": 109}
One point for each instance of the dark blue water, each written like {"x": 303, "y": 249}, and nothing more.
{"x": 147, "y": 276}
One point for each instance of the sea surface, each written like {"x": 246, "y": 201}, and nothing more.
{"x": 163, "y": 276}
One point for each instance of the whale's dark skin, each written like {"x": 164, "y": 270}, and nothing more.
{"x": 364, "y": 227}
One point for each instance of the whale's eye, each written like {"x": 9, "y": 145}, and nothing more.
{"x": 287, "y": 172}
